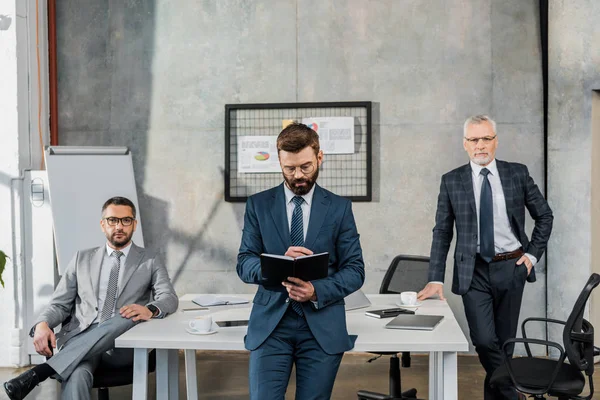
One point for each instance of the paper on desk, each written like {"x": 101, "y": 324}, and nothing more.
{"x": 207, "y": 300}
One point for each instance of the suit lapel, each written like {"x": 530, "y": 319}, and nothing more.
{"x": 506, "y": 180}
{"x": 95, "y": 265}
{"x": 318, "y": 211}
{"x": 279, "y": 215}
{"x": 467, "y": 181}
{"x": 131, "y": 264}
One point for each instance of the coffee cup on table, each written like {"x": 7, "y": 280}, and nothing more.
{"x": 408, "y": 298}
{"x": 201, "y": 324}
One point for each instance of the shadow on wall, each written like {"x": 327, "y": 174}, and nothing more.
{"x": 154, "y": 216}
{"x": 105, "y": 99}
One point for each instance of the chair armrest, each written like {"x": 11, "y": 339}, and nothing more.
{"x": 524, "y": 334}
{"x": 525, "y": 341}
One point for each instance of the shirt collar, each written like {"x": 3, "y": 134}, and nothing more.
{"x": 289, "y": 195}
{"x": 492, "y": 167}
{"x": 125, "y": 250}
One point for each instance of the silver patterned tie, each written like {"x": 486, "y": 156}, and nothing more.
{"x": 111, "y": 290}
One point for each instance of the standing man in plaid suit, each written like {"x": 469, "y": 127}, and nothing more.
{"x": 486, "y": 200}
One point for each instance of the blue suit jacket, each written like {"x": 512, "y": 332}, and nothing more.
{"x": 331, "y": 229}
{"x": 456, "y": 204}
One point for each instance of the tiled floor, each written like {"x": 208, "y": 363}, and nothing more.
{"x": 224, "y": 375}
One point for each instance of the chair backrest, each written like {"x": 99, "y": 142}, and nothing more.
{"x": 405, "y": 273}
{"x": 578, "y": 335}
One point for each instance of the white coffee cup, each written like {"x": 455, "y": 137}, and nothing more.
{"x": 409, "y": 298}
{"x": 201, "y": 324}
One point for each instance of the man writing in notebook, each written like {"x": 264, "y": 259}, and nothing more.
{"x": 104, "y": 292}
{"x": 299, "y": 322}
{"x": 486, "y": 200}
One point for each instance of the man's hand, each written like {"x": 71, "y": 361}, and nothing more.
{"x": 297, "y": 251}
{"x": 527, "y": 261}
{"x": 43, "y": 339}
{"x": 139, "y": 313}
{"x": 431, "y": 289}
{"x": 300, "y": 290}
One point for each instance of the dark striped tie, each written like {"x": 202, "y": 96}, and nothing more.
{"x": 111, "y": 290}
{"x": 486, "y": 219}
{"x": 297, "y": 238}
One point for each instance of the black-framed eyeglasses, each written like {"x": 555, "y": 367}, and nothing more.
{"x": 486, "y": 139}
{"x": 125, "y": 221}
{"x": 305, "y": 169}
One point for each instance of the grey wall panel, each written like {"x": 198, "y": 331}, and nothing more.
{"x": 160, "y": 75}
{"x": 574, "y": 73}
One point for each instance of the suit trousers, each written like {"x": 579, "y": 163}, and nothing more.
{"x": 292, "y": 343}
{"x": 492, "y": 306}
{"x": 77, "y": 360}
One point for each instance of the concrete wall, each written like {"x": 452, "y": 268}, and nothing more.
{"x": 154, "y": 76}
{"x": 574, "y": 60}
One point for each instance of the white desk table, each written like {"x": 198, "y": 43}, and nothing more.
{"x": 168, "y": 335}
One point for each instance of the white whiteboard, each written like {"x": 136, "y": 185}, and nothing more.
{"x": 80, "y": 180}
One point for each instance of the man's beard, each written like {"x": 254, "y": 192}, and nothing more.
{"x": 118, "y": 243}
{"x": 482, "y": 161}
{"x": 302, "y": 190}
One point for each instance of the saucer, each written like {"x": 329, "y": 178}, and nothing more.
{"x": 400, "y": 304}
{"x": 192, "y": 332}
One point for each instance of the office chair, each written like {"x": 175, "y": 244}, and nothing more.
{"x": 105, "y": 377}
{"x": 538, "y": 376}
{"x": 405, "y": 273}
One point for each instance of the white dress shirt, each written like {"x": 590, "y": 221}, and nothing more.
{"x": 105, "y": 276}
{"x": 504, "y": 238}
{"x": 289, "y": 208}
{"x": 290, "y": 205}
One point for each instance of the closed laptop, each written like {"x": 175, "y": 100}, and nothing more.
{"x": 415, "y": 322}
{"x": 356, "y": 300}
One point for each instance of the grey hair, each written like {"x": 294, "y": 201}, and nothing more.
{"x": 476, "y": 120}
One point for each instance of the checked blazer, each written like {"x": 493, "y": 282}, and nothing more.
{"x": 456, "y": 206}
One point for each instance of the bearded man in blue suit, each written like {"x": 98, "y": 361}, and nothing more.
{"x": 301, "y": 323}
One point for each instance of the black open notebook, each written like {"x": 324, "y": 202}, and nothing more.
{"x": 276, "y": 269}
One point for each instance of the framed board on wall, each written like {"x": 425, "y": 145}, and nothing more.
{"x": 252, "y": 128}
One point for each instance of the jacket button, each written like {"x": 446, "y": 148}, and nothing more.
{"x": 96, "y": 308}
{"x": 474, "y": 236}
{"x": 287, "y": 300}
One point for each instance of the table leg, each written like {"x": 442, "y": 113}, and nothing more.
{"x": 173, "y": 374}
{"x": 190, "y": 374}
{"x": 140, "y": 374}
{"x": 167, "y": 374}
{"x": 443, "y": 376}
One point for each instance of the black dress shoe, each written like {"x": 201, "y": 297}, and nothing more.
{"x": 19, "y": 387}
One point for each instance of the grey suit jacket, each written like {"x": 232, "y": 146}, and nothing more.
{"x": 456, "y": 205}
{"x": 75, "y": 300}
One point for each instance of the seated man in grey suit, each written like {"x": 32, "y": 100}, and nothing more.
{"x": 104, "y": 292}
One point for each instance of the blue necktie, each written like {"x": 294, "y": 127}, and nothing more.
{"x": 486, "y": 219}
{"x": 297, "y": 238}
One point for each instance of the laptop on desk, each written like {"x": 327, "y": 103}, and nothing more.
{"x": 415, "y": 322}
{"x": 356, "y": 300}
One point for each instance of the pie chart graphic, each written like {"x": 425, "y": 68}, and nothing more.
{"x": 261, "y": 156}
